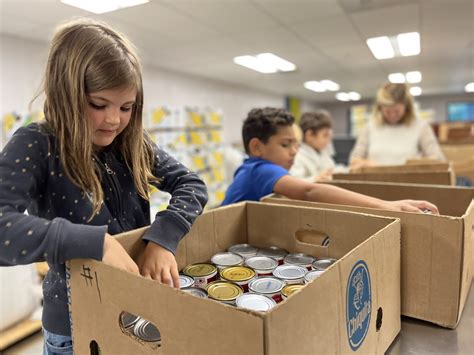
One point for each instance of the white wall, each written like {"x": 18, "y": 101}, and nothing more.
{"x": 22, "y": 64}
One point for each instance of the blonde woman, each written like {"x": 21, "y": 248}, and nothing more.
{"x": 394, "y": 134}
{"x": 84, "y": 174}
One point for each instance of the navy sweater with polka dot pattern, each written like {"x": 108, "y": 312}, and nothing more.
{"x": 57, "y": 226}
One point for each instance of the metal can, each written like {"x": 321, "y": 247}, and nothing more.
{"x": 240, "y": 275}
{"x": 244, "y": 250}
{"x": 201, "y": 273}
{"x": 311, "y": 275}
{"x": 299, "y": 259}
{"x": 263, "y": 265}
{"x": 146, "y": 331}
{"x": 128, "y": 320}
{"x": 255, "y": 302}
{"x": 291, "y": 274}
{"x": 223, "y": 291}
{"x": 323, "y": 264}
{"x": 223, "y": 260}
{"x": 274, "y": 252}
{"x": 196, "y": 291}
{"x": 267, "y": 286}
{"x": 185, "y": 281}
{"x": 288, "y": 290}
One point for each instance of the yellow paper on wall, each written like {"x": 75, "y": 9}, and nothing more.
{"x": 218, "y": 158}
{"x": 198, "y": 162}
{"x": 217, "y": 174}
{"x": 158, "y": 115}
{"x": 219, "y": 195}
{"x": 196, "y": 138}
{"x": 215, "y": 118}
{"x": 216, "y": 136}
{"x": 196, "y": 118}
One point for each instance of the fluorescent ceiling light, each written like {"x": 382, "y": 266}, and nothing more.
{"x": 469, "y": 87}
{"x": 354, "y": 96}
{"x": 409, "y": 43}
{"x": 314, "y": 86}
{"x": 396, "y": 78}
{"x": 253, "y": 63}
{"x": 103, "y": 6}
{"x": 270, "y": 59}
{"x": 266, "y": 63}
{"x": 330, "y": 85}
{"x": 415, "y": 91}
{"x": 381, "y": 47}
{"x": 413, "y": 77}
{"x": 343, "y": 96}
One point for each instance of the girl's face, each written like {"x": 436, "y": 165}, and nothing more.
{"x": 109, "y": 112}
{"x": 392, "y": 114}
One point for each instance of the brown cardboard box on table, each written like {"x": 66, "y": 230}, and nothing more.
{"x": 437, "y": 250}
{"x": 354, "y": 307}
{"x": 436, "y": 173}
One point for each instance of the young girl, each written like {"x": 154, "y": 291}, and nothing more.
{"x": 84, "y": 173}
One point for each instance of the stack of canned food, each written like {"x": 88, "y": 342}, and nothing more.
{"x": 252, "y": 278}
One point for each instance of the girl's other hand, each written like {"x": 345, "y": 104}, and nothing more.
{"x": 159, "y": 264}
{"x": 115, "y": 255}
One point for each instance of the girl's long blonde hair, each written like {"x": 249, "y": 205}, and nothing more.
{"x": 87, "y": 56}
{"x": 390, "y": 94}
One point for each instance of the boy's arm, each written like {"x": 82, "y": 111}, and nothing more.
{"x": 295, "y": 188}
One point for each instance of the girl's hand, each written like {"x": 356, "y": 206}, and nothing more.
{"x": 115, "y": 255}
{"x": 411, "y": 206}
{"x": 159, "y": 264}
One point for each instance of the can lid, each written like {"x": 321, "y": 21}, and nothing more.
{"x": 196, "y": 291}
{"x": 298, "y": 259}
{"x": 146, "y": 331}
{"x": 199, "y": 270}
{"x": 288, "y": 290}
{"x": 128, "y": 320}
{"x": 227, "y": 259}
{"x": 224, "y": 291}
{"x": 273, "y": 252}
{"x": 266, "y": 285}
{"x": 289, "y": 272}
{"x": 261, "y": 263}
{"x": 255, "y": 302}
{"x": 185, "y": 281}
{"x": 245, "y": 249}
{"x": 311, "y": 275}
{"x": 237, "y": 273}
{"x": 323, "y": 264}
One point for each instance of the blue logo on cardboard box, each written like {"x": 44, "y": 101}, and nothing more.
{"x": 358, "y": 304}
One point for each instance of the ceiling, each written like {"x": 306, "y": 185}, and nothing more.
{"x": 324, "y": 38}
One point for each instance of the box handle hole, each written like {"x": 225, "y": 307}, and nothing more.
{"x": 140, "y": 329}
{"x": 313, "y": 237}
{"x": 95, "y": 349}
{"x": 378, "y": 322}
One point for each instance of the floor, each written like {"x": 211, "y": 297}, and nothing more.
{"x": 416, "y": 337}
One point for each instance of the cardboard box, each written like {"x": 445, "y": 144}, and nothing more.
{"x": 430, "y": 178}
{"x": 437, "y": 250}
{"x": 458, "y": 152}
{"x": 318, "y": 319}
{"x": 412, "y": 166}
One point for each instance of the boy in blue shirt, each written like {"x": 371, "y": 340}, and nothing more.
{"x": 271, "y": 144}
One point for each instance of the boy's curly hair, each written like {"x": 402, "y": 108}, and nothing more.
{"x": 262, "y": 123}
